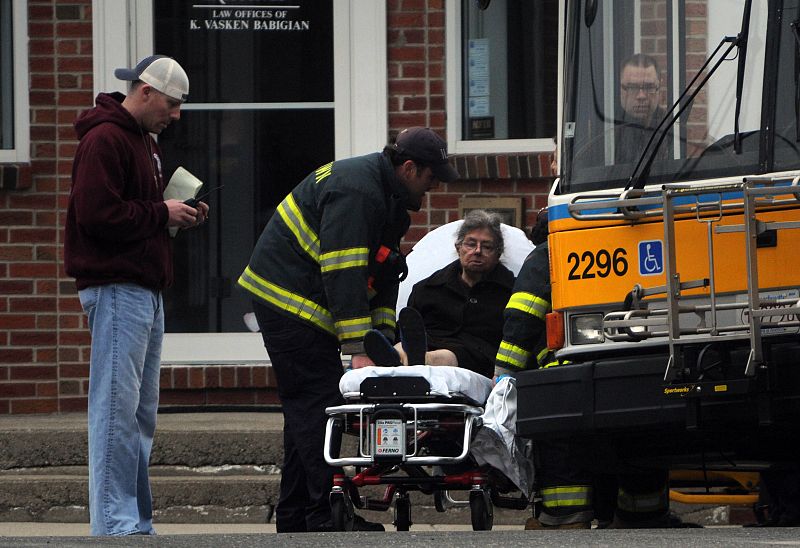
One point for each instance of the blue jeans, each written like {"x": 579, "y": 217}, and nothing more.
{"x": 126, "y": 322}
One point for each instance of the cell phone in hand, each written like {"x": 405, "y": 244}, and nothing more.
{"x": 192, "y": 202}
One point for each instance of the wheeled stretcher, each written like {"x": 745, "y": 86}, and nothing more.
{"x": 413, "y": 428}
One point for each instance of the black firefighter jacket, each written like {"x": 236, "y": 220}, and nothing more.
{"x": 317, "y": 255}
{"x": 524, "y": 344}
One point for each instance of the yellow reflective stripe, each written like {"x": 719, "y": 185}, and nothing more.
{"x": 553, "y": 363}
{"x": 384, "y": 316}
{"x": 542, "y": 355}
{"x": 576, "y": 495}
{"x": 529, "y": 304}
{"x": 513, "y": 355}
{"x": 354, "y": 328}
{"x": 344, "y": 258}
{"x": 293, "y": 218}
{"x": 323, "y": 172}
{"x": 286, "y": 300}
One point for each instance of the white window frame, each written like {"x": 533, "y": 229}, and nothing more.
{"x": 21, "y": 152}
{"x": 123, "y": 34}
{"x": 456, "y": 144}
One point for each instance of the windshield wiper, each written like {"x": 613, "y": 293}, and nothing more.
{"x": 637, "y": 181}
{"x": 740, "y": 41}
{"x": 795, "y": 26}
{"x": 737, "y": 137}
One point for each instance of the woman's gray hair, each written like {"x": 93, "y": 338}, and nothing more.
{"x": 477, "y": 219}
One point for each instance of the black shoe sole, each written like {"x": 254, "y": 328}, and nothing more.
{"x": 380, "y": 350}
{"x": 412, "y": 335}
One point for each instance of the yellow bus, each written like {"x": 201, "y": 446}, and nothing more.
{"x": 674, "y": 249}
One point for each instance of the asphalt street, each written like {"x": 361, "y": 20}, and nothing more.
{"x": 728, "y": 537}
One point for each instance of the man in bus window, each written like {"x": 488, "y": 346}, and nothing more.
{"x": 639, "y": 92}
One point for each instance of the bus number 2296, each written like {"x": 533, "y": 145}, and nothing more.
{"x": 602, "y": 264}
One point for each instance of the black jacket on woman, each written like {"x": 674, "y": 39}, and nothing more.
{"x": 465, "y": 320}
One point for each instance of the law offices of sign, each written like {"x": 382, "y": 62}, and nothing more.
{"x": 250, "y": 15}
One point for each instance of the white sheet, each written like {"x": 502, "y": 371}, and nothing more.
{"x": 444, "y": 380}
{"x": 496, "y": 442}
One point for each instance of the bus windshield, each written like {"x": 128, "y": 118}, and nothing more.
{"x": 628, "y": 63}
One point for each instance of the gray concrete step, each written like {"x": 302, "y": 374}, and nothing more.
{"x": 190, "y": 439}
{"x": 229, "y": 494}
{"x": 206, "y": 468}
{"x": 60, "y": 494}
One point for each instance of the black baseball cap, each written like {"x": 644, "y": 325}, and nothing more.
{"x": 424, "y": 145}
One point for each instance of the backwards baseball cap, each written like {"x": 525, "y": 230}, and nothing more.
{"x": 162, "y": 73}
{"x": 423, "y": 145}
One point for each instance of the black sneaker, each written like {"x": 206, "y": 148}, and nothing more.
{"x": 412, "y": 335}
{"x": 380, "y": 350}
{"x": 360, "y": 524}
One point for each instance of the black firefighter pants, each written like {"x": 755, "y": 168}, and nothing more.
{"x": 307, "y": 366}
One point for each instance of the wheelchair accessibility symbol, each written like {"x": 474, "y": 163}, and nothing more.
{"x": 651, "y": 258}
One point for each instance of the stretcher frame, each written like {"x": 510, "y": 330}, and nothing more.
{"x": 422, "y": 415}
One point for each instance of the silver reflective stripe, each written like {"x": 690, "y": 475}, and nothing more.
{"x": 646, "y": 502}
{"x": 286, "y": 300}
{"x": 345, "y": 258}
{"x": 529, "y": 304}
{"x": 294, "y": 221}
{"x": 574, "y": 495}
{"x": 513, "y": 355}
{"x": 354, "y": 328}
{"x": 384, "y": 316}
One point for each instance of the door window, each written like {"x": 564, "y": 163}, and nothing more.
{"x": 260, "y": 116}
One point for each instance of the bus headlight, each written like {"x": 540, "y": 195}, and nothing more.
{"x": 586, "y": 329}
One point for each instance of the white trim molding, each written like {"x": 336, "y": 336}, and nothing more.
{"x": 21, "y": 152}
{"x": 455, "y": 144}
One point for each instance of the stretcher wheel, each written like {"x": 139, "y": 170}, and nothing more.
{"x": 402, "y": 513}
{"x": 341, "y": 512}
{"x": 439, "y": 501}
{"x": 481, "y": 509}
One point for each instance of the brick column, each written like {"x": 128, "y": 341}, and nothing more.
{"x": 43, "y": 338}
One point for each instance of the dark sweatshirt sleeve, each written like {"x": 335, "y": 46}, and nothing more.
{"x": 115, "y": 197}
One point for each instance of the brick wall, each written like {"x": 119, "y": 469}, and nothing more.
{"x": 44, "y": 340}
{"x": 417, "y": 95}
{"x": 654, "y": 43}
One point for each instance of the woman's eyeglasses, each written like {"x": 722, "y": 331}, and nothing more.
{"x": 473, "y": 245}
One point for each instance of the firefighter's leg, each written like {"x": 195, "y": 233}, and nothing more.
{"x": 643, "y": 500}
{"x": 565, "y": 487}
{"x": 605, "y": 498}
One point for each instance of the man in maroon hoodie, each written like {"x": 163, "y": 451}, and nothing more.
{"x": 117, "y": 247}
